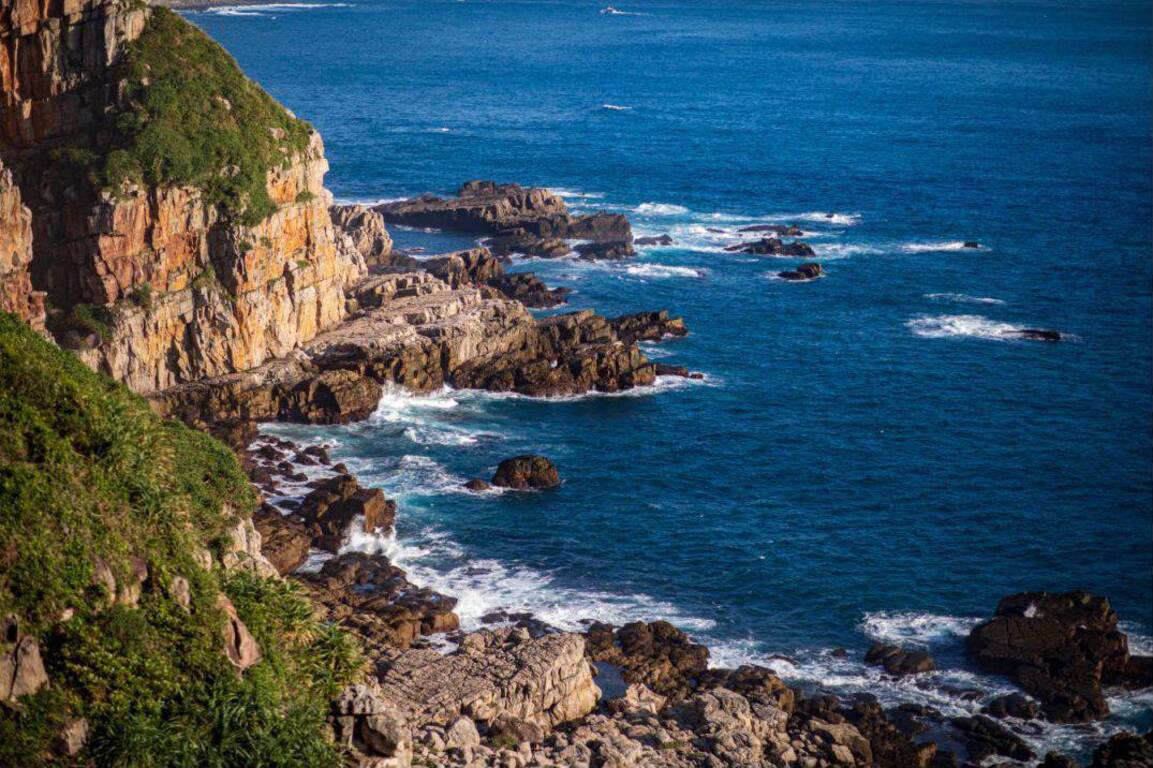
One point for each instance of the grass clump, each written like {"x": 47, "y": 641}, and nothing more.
{"x": 88, "y": 474}
{"x": 191, "y": 117}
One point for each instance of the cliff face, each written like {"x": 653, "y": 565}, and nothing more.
{"x": 180, "y": 289}
{"x": 16, "y": 293}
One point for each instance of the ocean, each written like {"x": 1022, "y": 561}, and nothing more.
{"x": 871, "y": 455}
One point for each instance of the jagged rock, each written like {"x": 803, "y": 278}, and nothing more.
{"x": 657, "y": 655}
{"x": 648, "y": 326}
{"x": 1060, "y": 648}
{"x": 757, "y": 684}
{"x": 375, "y": 599}
{"x": 21, "y": 668}
{"x": 470, "y": 267}
{"x": 336, "y": 502}
{"x": 366, "y": 229}
{"x": 331, "y": 397}
{"x": 545, "y": 680}
{"x": 16, "y": 293}
{"x": 71, "y": 738}
{"x": 1012, "y": 705}
{"x": 375, "y": 731}
{"x": 1124, "y": 750}
{"x": 897, "y": 661}
{"x": 530, "y": 290}
{"x": 984, "y": 738}
{"x": 284, "y": 541}
{"x": 638, "y": 698}
{"x": 891, "y": 739}
{"x": 240, "y": 646}
{"x": 802, "y": 273}
{"x": 772, "y": 246}
{"x": 606, "y": 250}
{"x": 528, "y": 245}
{"x": 524, "y": 472}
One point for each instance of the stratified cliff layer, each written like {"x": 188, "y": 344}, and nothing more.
{"x": 171, "y": 248}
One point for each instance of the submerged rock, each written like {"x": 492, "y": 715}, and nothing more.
{"x": 1037, "y": 334}
{"x": 772, "y": 246}
{"x": 780, "y": 230}
{"x": 657, "y": 240}
{"x": 897, "y": 661}
{"x": 525, "y": 472}
{"x": 803, "y": 273}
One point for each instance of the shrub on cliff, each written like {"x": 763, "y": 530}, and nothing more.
{"x": 93, "y": 483}
{"x": 190, "y": 116}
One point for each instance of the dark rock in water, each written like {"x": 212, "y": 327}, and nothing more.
{"x": 375, "y": 599}
{"x": 329, "y": 509}
{"x": 648, "y": 326}
{"x": 1057, "y": 760}
{"x": 773, "y": 246}
{"x": 530, "y": 290}
{"x": 985, "y": 738}
{"x": 1125, "y": 750}
{"x": 715, "y": 230}
{"x": 891, "y": 734}
{"x": 1061, "y": 649}
{"x": 802, "y": 273}
{"x": 524, "y": 472}
{"x": 760, "y": 685}
{"x": 284, "y": 541}
{"x": 897, "y": 661}
{"x": 657, "y": 655}
{"x": 1037, "y": 334}
{"x": 672, "y": 370}
{"x": 476, "y": 485}
{"x": 331, "y": 397}
{"x": 319, "y": 452}
{"x": 971, "y": 244}
{"x": 1012, "y": 705}
{"x": 780, "y": 230}
{"x": 617, "y": 249}
{"x": 531, "y": 221}
{"x": 839, "y": 653}
{"x": 657, "y": 240}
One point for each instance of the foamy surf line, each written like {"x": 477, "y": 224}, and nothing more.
{"x": 264, "y": 9}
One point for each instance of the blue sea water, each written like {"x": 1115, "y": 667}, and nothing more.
{"x": 869, "y": 456}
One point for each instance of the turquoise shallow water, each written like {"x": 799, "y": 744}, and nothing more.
{"x": 869, "y": 456}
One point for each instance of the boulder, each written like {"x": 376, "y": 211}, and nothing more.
{"x": 1125, "y": 750}
{"x": 657, "y": 240}
{"x": 470, "y": 267}
{"x": 71, "y": 738}
{"x": 240, "y": 647}
{"x": 529, "y": 290}
{"x": 984, "y": 738}
{"x": 773, "y": 246}
{"x": 1060, "y": 648}
{"x": 1012, "y": 705}
{"x": 648, "y": 326}
{"x": 802, "y": 273}
{"x": 780, "y": 230}
{"x": 476, "y": 485}
{"x": 656, "y": 654}
{"x": 373, "y": 730}
{"x": 525, "y": 472}
{"x": 331, "y": 397}
{"x": 898, "y": 661}
{"x": 21, "y": 668}
{"x": 285, "y": 541}
{"x": 336, "y": 502}
{"x": 375, "y": 599}
{"x": 495, "y": 674}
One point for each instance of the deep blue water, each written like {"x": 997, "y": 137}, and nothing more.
{"x": 868, "y": 457}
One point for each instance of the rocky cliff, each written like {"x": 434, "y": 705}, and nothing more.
{"x": 162, "y": 266}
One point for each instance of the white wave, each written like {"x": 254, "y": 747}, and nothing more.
{"x": 440, "y": 129}
{"x": 822, "y": 217}
{"x": 970, "y": 326}
{"x": 616, "y": 108}
{"x": 661, "y": 209}
{"x": 654, "y": 350}
{"x": 943, "y": 247}
{"x": 912, "y": 628}
{"x": 963, "y": 298}
{"x": 611, "y": 11}
{"x": 567, "y": 192}
{"x": 662, "y": 384}
{"x": 663, "y": 270}
{"x": 264, "y": 9}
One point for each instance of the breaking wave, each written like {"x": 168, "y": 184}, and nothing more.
{"x": 663, "y": 270}
{"x": 967, "y": 326}
{"x": 963, "y": 298}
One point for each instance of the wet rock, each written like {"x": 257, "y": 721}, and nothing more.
{"x": 780, "y": 230}
{"x": 897, "y": 661}
{"x": 331, "y": 397}
{"x": 530, "y": 290}
{"x": 375, "y": 599}
{"x": 664, "y": 239}
{"x": 525, "y": 472}
{"x": 605, "y": 250}
{"x": 318, "y": 452}
{"x": 476, "y": 485}
{"x": 1060, "y": 648}
{"x": 336, "y": 502}
{"x": 1037, "y": 334}
{"x": 528, "y": 245}
{"x": 773, "y": 246}
{"x": 971, "y": 244}
{"x": 1057, "y": 760}
{"x": 1012, "y": 705}
{"x": 1125, "y": 750}
{"x": 802, "y": 273}
{"x": 240, "y": 647}
{"x": 985, "y": 738}
{"x": 891, "y": 735}
{"x": 648, "y": 326}
{"x": 656, "y": 654}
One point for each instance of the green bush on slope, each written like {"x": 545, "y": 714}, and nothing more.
{"x": 193, "y": 118}
{"x": 87, "y": 471}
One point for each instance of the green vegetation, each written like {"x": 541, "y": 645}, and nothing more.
{"x": 141, "y": 296}
{"x": 88, "y": 475}
{"x": 193, "y": 118}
